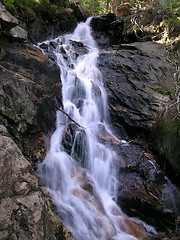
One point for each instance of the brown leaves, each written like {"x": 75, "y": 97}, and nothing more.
{"x": 150, "y": 157}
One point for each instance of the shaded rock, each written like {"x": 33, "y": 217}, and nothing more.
{"x": 10, "y": 27}
{"x": 139, "y": 82}
{"x": 29, "y": 95}
{"x": 80, "y": 11}
{"x": 7, "y": 21}
{"x": 18, "y": 33}
{"x": 110, "y": 30}
{"x": 103, "y": 22}
{"x": 79, "y": 47}
{"x": 166, "y": 138}
{"x": 47, "y": 20}
{"x": 75, "y": 143}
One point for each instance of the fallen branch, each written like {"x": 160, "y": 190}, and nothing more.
{"x": 70, "y": 118}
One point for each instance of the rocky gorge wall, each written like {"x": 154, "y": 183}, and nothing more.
{"x": 138, "y": 78}
{"x": 142, "y": 79}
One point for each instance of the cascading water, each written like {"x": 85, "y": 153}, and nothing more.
{"x": 80, "y": 172}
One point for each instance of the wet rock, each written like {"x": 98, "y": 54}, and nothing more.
{"x": 72, "y": 140}
{"x": 144, "y": 191}
{"x": 79, "y": 47}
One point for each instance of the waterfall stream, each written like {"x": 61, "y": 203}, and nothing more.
{"x": 80, "y": 168}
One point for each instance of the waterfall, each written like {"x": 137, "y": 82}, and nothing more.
{"x": 80, "y": 168}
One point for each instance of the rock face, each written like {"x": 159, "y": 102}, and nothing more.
{"x": 23, "y": 210}
{"x": 30, "y": 93}
{"x": 139, "y": 79}
{"x": 144, "y": 191}
{"x": 139, "y": 82}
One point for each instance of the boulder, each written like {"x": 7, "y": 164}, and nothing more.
{"x": 23, "y": 208}
{"x": 7, "y": 21}
{"x": 18, "y": 33}
{"x": 9, "y": 26}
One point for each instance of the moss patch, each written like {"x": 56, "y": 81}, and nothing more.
{"x": 165, "y": 89}
{"x": 167, "y": 140}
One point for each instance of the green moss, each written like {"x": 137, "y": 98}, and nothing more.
{"x": 165, "y": 89}
{"x": 128, "y": 26}
{"x": 167, "y": 140}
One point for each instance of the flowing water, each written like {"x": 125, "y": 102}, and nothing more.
{"x": 80, "y": 169}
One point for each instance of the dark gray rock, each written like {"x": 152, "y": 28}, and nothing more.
{"x": 144, "y": 191}
{"x": 139, "y": 79}
{"x": 139, "y": 82}
{"x": 29, "y": 95}
{"x": 135, "y": 76}
{"x": 103, "y": 22}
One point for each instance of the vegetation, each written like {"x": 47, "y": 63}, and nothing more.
{"x": 166, "y": 136}
{"x": 166, "y": 29}
{"x": 104, "y": 6}
{"x": 10, "y": 3}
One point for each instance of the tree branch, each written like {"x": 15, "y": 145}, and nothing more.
{"x": 70, "y": 118}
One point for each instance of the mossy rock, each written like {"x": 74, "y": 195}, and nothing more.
{"x": 165, "y": 89}
{"x": 167, "y": 140}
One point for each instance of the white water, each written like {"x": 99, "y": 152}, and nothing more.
{"x": 82, "y": 180}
